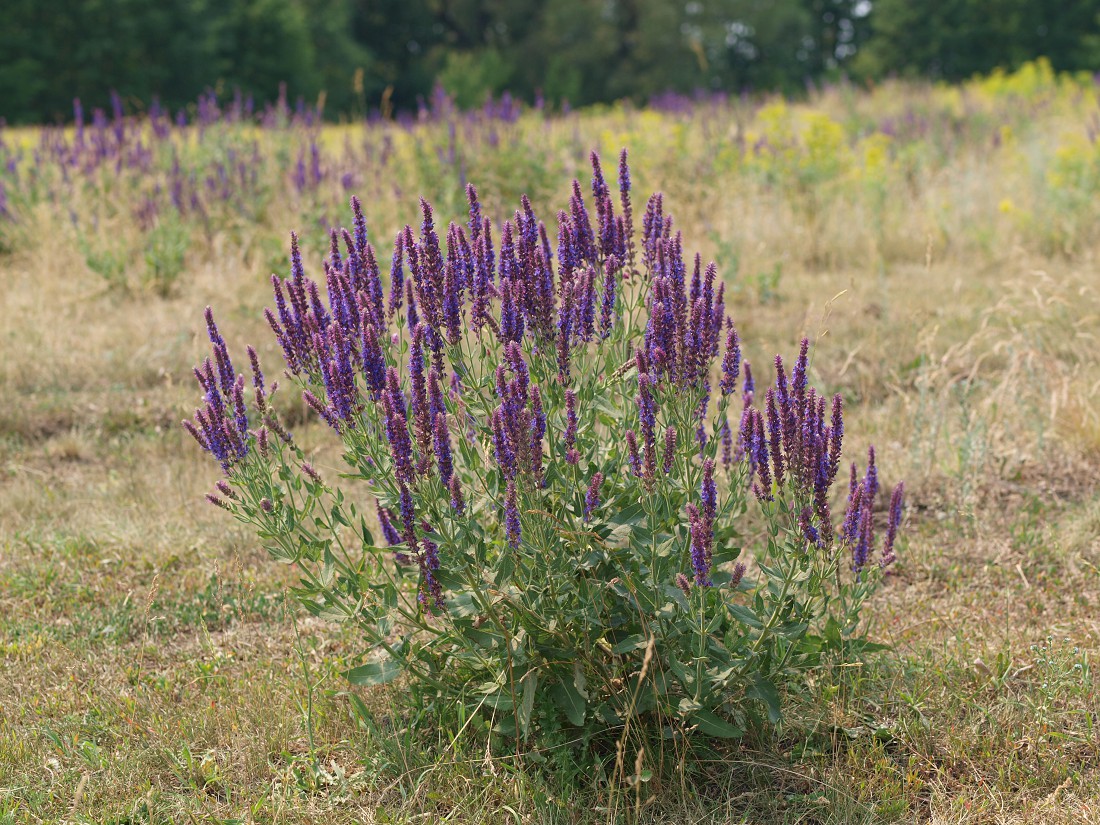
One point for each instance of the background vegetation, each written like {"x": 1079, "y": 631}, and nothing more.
{"x": 385, "y": 54}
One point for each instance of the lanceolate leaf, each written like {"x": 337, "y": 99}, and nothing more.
{"x": 374, "y": 673}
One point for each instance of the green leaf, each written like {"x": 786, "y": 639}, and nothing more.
{"x": 711, "y": 724}
{"x": 501, "y": 700}
{"x": 745, "y": 615}
{"x": 569, "y": 701}
{"x": 328, "y": 571}
{"x": 368, "y": 539}
{"x": 527, "y": 704}
{"x": 763, "y": 690}
{"x": 374, "y": 673}
{"x": 725, "y": 555}
{"x": 832, "y": 633}
{"x": 633, "y": 642}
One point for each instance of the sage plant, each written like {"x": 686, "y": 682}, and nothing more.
{"x": 540, "y": 434}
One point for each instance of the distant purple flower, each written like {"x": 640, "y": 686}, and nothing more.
{"x": 748, "y": 393}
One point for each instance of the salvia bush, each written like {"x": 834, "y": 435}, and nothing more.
{"x": 558, "y": 442}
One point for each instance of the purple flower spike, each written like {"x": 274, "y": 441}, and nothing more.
{"x": 397, "y": 278}
{"x": 726, "y": 436}
{"x": 512, "y": 528}
{"x": 748, "y": 393}
{"x": 701, "y": 531}
{"x": 647, "y": 415}
{"x": 708, "y": 492}
{"x": 763, "y": 488}
{"x": 226, "y": 376}
{"x": 628, "y": 211}
{"x": 798, "y": 374}
{"x": 475, "y": 212}
{"x": 632, "y": 453}
{"x": 441, "y": 441}
{"x": 458, "y": 504}
{"x": 897, "y": 503}
{"x": 775, "y": 432}
{"x": 408, "y": 520}
{"x": 670, "y": 449}
{"x": 870, "y": 480}
{"x": 731, "y": 364}
{"x": 850, "y": 526}
{"x": 257, "y": 380}
{"x": 809, "y": 532}
{"x": 861, "y": 552}
{"x": 385, "y": 521}
{"x": 836, "y": 438}
{"x": 502, "y": 444}
{"x": 570, "y": 423}
{"x": 397, "y": 428}
{"x": 607, "y": 304}
{"x": 592, "y": 497}
{"x": 684, "y": 583}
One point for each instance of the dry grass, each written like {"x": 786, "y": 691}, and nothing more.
{"x": 152, "y": 671}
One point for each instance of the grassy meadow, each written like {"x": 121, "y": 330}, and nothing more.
{"x": 937, "y": 244}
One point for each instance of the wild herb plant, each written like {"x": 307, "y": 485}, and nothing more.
{"x": 562, "y": 443}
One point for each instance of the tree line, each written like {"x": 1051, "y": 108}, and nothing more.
{"x": 365, "y": 54}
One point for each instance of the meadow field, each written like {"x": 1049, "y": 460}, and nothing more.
{"x": 937, "y": 244}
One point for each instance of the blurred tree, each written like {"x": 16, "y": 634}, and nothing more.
{"x": 389, "y": 53}
{"x": 954, "y": 39}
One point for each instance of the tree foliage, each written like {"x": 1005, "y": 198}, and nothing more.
{"x": 387, "y": 53}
